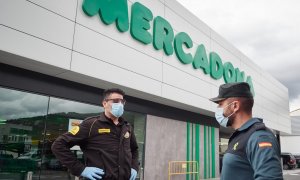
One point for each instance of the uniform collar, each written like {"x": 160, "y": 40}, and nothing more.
{"x": 104, "y": 118}
{"x": 249, "y": 123}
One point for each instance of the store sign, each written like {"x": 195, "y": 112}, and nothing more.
{"x": 163, "y": 37}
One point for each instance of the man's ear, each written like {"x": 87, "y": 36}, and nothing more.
{"x": 237, "y": 105}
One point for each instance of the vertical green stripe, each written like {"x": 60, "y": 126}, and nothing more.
{"x": 205, "y": 164}
{"x": 192, "y": 159}
{"x": 213, "y": 143}
{"x": 197, "y": 158}
{"x": 209, "y": 151}
{"x": 193, "y": 146}
{"x": 188, "y": 146}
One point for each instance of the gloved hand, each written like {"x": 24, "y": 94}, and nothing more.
{"x": 133, "y": 174}
{"x": 92, "y": 173}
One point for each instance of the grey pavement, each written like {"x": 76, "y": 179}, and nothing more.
{"x": 293, "y": 171}
{"x": 286, "y": 174}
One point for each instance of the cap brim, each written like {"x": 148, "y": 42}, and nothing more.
{"x": 216, "y": 99}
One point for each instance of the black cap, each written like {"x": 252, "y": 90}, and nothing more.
{"x": 239, "y": 89}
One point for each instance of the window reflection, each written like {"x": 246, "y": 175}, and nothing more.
{"x": 22, "y": 122}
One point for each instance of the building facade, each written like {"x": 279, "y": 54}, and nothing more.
{"x": 288, "y": 141}
{"x": 57, "y": 57}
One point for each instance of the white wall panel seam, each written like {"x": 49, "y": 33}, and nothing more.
{"x": 119, "y": 42}
{"x": 185, "y": 90}
{"x": 166, "y": 5}
{"x": 114, "y": 65}
{"x": 50, "y": 10}
{"x": 227, "y": 49}
{"x": 189, "y": 73}
{"x": 274, "y": 92}
{"x": 267, "y": 89}
{"x": 73, "y": 35}
{"x": 35, "y": 36}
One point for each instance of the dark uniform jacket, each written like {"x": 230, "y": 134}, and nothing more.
{"x": 253, "y": 153}
{"x": 105, "y": 145}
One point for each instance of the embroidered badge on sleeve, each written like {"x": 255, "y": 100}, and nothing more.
{"x": 74, "y": 130}
{"x": 264, "y": 144}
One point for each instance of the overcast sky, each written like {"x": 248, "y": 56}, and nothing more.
{"x": 267, "y": 31}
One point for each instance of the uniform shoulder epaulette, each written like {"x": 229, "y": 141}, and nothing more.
{"x": 86, "y": 120}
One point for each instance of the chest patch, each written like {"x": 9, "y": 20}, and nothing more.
{"x": 235, "y": 145}
{"x": 102, "y": 131}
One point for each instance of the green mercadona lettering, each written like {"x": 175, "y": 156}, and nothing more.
{"x": 162, "y": 37}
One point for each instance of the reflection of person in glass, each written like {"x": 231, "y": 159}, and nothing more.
{"x": 107, "y": 141}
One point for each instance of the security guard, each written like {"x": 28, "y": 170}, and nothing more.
{"x": 253, "y": 151}
{"x": 108, "y": 143}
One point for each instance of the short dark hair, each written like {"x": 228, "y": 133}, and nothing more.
{"x": 108, "y": 92}
{"x": 247, "y": 104}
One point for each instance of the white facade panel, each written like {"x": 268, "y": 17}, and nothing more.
{"x": 103, "y": 48}
{"x": 155, "y": 6}
{"x": 180, "y": 24}
{"x": 290, "y": 144}
{"x": 187, "y": 68}
{"x": 36, "y": 21}
{"x": 188, "y": 100}
{"x": 215, "y": 37}
{"x": 225, "y": 55}
{"x": 39, "y": 54}
{"x": 106, "y": 71}
{"x": 187, "y": 15}
{"x": 177, "y": 78}
{"x": 66, "y": 8}
{"x": 295, "y": 125}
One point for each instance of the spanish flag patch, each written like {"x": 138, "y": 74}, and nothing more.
{"x": 264, "y": 144}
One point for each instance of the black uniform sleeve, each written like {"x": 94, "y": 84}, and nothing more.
{"x": 61, "y": 147}
{"x": 134, "y": 152}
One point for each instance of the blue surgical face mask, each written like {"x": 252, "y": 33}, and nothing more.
{"x": 219, "y": 115}
{"x": 117, "y": 109}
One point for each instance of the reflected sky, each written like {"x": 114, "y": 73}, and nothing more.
{"x": 17, "y": 104}
{"x": 60, "y": 105}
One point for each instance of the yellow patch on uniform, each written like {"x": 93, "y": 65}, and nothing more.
{"x": 264, "y": 144}
{"x": 74, "y": 130}
{"x": 101, "y": 131}
{"x": 126, "y": 135}
{"x": 235, "y": 145}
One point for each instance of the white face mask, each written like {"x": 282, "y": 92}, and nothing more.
{"x": 219, "y": 115}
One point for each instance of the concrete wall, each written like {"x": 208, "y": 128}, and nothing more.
{"x": 57, "y": 38}
{"x": 169, "y": 140}
{"x": 290, "y": 144}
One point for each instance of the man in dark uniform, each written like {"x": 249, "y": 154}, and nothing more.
{"x": 253, "y": 151}
{"x": 107, "y": 141}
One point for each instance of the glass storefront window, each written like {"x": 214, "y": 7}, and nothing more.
{"x": 22, "y": 118}
{"x": 27, "y": 133}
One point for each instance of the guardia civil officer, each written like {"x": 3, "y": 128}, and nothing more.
{"x": 108, "y": 143}
{"x": 253, "y": 151}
